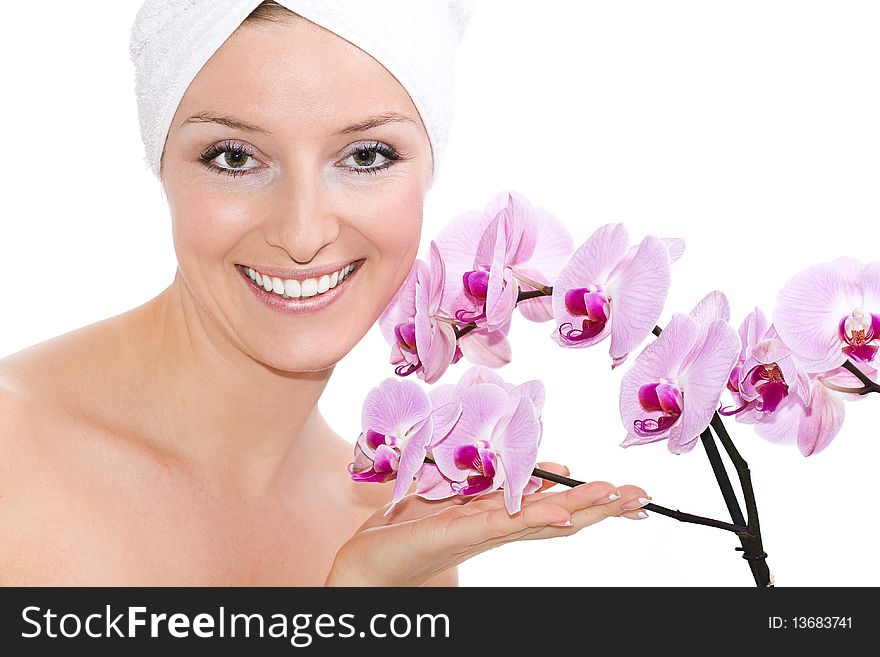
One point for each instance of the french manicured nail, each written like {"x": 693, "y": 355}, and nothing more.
{"x": 608, "y": 498}
{"x": 567, "y": 523}
{"x": 642, "y": 514}
{"x": 635, "y": 504}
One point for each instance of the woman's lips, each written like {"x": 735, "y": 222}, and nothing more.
{"x": 296, "y": 305}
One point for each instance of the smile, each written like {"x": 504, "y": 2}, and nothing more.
{"x": 295, "y": 295}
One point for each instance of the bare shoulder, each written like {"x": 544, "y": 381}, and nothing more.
{"x": 17, "y": 417}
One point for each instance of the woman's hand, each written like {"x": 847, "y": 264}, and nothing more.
{"x": 421, "y": 538}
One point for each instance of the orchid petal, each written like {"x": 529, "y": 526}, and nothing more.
{"x": 444, "y": 418}
{"x": 394, "y": 407}
{"x": 401, "y": 308}
{"x": 518, "y": 448}
{"x": 809, "y": 309}
{"x": 675, "y": 246}
{"x": 638, "y": 295}
{"x": 483, "y": 405}
{"x": 593, "y": 260}
{"x": 661, "y": 358}
{"x": 412, "y": 456}
{"x": 781, "y": 426}
{"x": 711, "y": 307}
{"x": 477, "y": 374}
{"x": 457, "y": 244}
{"x": 707, "y": 377}
{"x": 432, "y": 485}
{"x": 822, "y": 421}
{"x": 484, "y": 348}
{"x": 438, "y": 357}
{"x": 534, "y": 390}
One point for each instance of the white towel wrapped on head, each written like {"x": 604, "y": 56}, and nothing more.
{"x": 415, "y": 40}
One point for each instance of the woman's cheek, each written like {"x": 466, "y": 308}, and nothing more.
{"x": 397, "y": 235}
{"x": 206, "y": 227}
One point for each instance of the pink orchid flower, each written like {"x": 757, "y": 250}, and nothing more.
{"x": 420, "y": 340}
{"x": 431, "y": 484}
{"x": 399, "y": 423}
{"x": 830, "y": 312}
{"x": 812, "y": 426}
{"x": 674, "y": 386}
{"x": 766, "y": 374}
{"x": 491, "y": 255}
{"x": 608, "y": 288}
{"x": 493, "y": 444}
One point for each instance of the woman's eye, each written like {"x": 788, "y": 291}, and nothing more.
{"x": 228, "y": 159}
{"x": 363, "y": 158}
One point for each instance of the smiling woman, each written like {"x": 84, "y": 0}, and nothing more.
{"x": 184, "y": 444}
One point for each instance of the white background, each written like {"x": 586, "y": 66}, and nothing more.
{"x": 749, "y": 128}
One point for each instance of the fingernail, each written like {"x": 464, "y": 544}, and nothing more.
{"x": 567, "y": 523}
{"x": 635, "y": 504}
{"x": 642, "y": 514}
{"x": 609, "y": 498}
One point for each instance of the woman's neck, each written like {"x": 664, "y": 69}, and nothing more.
{"x": 224, "y": 414}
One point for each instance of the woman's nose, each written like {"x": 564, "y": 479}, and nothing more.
{"x": 304, "y": 218}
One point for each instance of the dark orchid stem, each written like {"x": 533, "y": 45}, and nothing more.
{"x": 722, "y": 478}
{"x": 530, "y": 294}
{"x": 869, "y": 385}
{"x": 752, "y": 545}
{"x": 656, "y": 508}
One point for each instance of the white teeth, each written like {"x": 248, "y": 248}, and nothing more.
{"x": 294, "y": 288}
{"x": 309, "y": 287}
{"x": 291, "y": 288}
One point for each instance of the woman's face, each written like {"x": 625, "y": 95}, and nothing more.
{"x": 304, "y": 187}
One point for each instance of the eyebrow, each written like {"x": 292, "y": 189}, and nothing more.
{"x": 229, "y": 122}
{"x": 366, "y": 124}
{"x": 373, "y": 122}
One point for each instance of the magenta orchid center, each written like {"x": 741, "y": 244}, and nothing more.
{"x": 664, "y": 396}
{"x": 768, "y": 382}
{"x": 591, "y": 303}
{"x": 773, "y": 389}
{"x": 385, "y": 460}
{"x": 476, "y": 285}
{"x": 405, "y": 333}
{"x": 479, "y": 458}
{"x": 860, "y": 331}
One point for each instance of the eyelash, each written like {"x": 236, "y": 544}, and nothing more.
{"x": 206, "y": 158}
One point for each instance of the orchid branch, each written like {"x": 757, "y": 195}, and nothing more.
{"x": 752, "y": 545}
{"x": 869, "y": 385}
{"x": 740, "y": 530}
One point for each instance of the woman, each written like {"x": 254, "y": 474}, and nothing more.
{"x": 180, "y": 443}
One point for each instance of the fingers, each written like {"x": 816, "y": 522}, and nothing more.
{"x": 628, "y": 505}
{"x": 493, "y": 525}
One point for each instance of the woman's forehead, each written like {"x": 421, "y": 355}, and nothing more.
{"x": 294, "y": 68}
